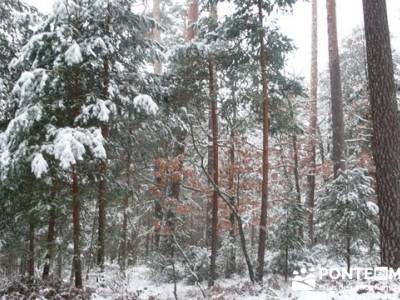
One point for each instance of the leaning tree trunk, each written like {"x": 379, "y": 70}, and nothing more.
{"x": 264, "y": 191}
{"x": 386, "y": 128}
{"x": 313, "y": 121}
{"x": 336, "y": 90}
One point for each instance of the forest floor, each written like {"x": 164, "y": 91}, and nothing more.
{"x": 140, "y": 285}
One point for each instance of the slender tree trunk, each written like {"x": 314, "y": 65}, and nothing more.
{"x": 91, "y": 260}
{"x": 158, "y": 207}
{"x": 348, "y": 246}
{"x": 321, "y": 146}
{"x": 101, "y": 217}
{"x": 50, "y": 241}
{"x": 156, "y": 33}
{"x": 157, "y": 65}
{"x": 386, "y": 128}
{"x": 336, "y": 90}
{"x": 76, "y": 208}
{"x": 244, "y": 248}
{"x": 103, "y": 163}
{"x": 212, "y": 81}
{"x": 312, "y": 143}
{"x": 125, "y": 221}
{"x": 210, "y": 172}
{"x": 264, "y": 191}
{"x": 59, "y": 255}
{"x": 193, "y": 16}
{"x": 297, "y": 177}
{"x": 231, "y": 265}
{"x": 31, "y": 255}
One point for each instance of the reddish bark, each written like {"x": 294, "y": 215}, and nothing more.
{"x": 386, "y": 128}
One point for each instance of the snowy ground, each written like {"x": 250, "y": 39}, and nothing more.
{"x": 138, "y": 284}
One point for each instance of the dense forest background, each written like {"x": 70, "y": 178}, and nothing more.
{"x": 175, "y": 139}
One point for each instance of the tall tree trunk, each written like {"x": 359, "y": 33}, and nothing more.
{"x": 158, "y": 207}
{"x": 297, "y": 177}
{"x": 103, "y": 163}
{"x": 156, "y": 33}
{"x": 76, "y": 208}
{"x": 125, "y": 221}
{"x": 336, "y": 90}
{"x": 50, "y": 241}
{"x": 231, "y": 264}
{"x": 193, "y": 16}
{"x": 312, "y": 143}
{"x": 31, "y": 255}
{"x": 264, "y": 191}
{"x": 386, "y": 128}
{"x": 214, "y": 119}
{"x": 210, "y": 172}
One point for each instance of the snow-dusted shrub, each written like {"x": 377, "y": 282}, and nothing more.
{"x": 347, "y": 215}
{"x": 199, "y": 264}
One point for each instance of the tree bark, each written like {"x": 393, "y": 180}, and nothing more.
{"x": 31, "y": 255}
{"x": 297, "y": 177}
{"x": 50, "y": 242}
{"x": 336, "y": 90}
{"x": 212, "y": 81}
{"x": 210, "y": 172}
{"x": 76, "y": 208}
{"x": 265, "y": 166}
{"x": 193, "y": 16}
{"x": 157, "y": 65}
{"x": 313, "y": 121}
{"x": 214, "y": 217}
{"x": 386, "y": 128}
{"x": 231, "y": 264}
{"x": 103, "y": 163}
{"x": 158, "y": 207}
{"x": 125, "y": 221}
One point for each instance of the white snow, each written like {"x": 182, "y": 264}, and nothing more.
{"x": 101, "y": 111}
{"x": 145, "y": 104}
{"x": 70, "y": 144}
{"x": 73, "y": 55}
{"x": 138, "y": 283}
{"x": 39, "y": 165}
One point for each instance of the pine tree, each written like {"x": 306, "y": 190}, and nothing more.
{"x": 347, "y": 213}
{"x": 313, "y": 120}
{"x": 386, "y": 128}
{"x": 336, "y": 90}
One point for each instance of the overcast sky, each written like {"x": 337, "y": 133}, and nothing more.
{"x": 298, "y": 26}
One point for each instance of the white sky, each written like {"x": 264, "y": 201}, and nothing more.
{"x": 297, "y": 26}
{"x": 349, "y": 16}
